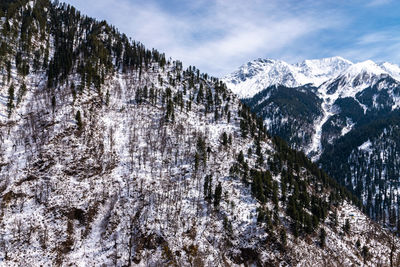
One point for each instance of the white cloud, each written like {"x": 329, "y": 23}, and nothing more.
{"x": 219, "y": 35}
{"x": 378, "y": 46}
{"x": 385, "y": 36}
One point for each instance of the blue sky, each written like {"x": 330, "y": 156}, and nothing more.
{"x": 218, "y": 36}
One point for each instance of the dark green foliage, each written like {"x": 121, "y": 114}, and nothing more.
{"x": 4, "y": 4}
{"x": 200, "y": 94}
{"x": 305, "y": 209}
{"x": 8, "y": 68}
{"x": 257, "y": 186}
{"x": 290, "y": 100}
{"x": 217, "y": 194}
{"x": 322, "y": 237}
{"x": 350, "y": 108}
{"x": 208, "y": 188}
{"x": 299, "y": 106}
{"x": 346, "y": 226}
{"x": 365, "y": 253}
{"x": 4, "y": 49}
{"x": 344, "y": 160}
{"x": 292, "y": 156}
{"x": 375, "y": 98}
{"x": 201, "y": 149}
{"x": 78, "y": 119}
{"x": 240, "y": 158}
{"x": 295, "y": 228}
{"x": 170, "y": 111}
{"x": 224, "y": 139}
{"x": 275, "y": 193}
{"x": 250, "y": 123}
{"x": 107, "y": 97}
{"x": 93, "y": 57}
{"x": 264, "y": 216}
{"x": 227, "y": 226}
{"x": 53, "y": 102}
{"x": 22, "y": 65}
{"x": 10, "y": 103}
{"x": 243, "y": 128}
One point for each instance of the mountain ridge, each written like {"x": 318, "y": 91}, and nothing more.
{"x": 259, "y": 74}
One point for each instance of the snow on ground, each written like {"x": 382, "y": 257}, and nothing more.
{"x": 366, "y": 146}
{"x": 349, "y": 126}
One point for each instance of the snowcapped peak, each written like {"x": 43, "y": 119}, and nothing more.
{"x": 324, "y": 68}
{"x": 366, "y": 66}
{"x": 354, "y": 79}
{"x": 392, "y": 69}
{"x": 259, "y": 74}
{"x": 362, "y": 74}
{"x": 327, "y": 61}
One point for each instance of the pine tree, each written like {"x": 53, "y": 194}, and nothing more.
{"x": 78, "y": 119}
{"x": 208, "y": 188}
{"x": 10, "y": 104}
{"x": 346, "y": 226}
{"x": 365, "y": 253}
{"x": 322, "y": 237}
{"x": 358, "y": 244}
{"x": 200, "y": 94}
{"x": 240, "y": 158}
{"x": 21, "y": 93}
{"x": 53, "y": 102}
{"x": 224, "y": 139}
{"x": 217, "y": 194}
{"x": 170, "y": 111}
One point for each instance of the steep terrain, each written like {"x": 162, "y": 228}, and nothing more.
{"x": 112, "y": 154}
{"x": 336, "y": 121}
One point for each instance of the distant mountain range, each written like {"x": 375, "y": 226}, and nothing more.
{"x": 259, "y": 74}
{"x": 343, "y": 115}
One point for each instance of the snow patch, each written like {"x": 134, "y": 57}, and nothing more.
{"x": 366, "y": 146}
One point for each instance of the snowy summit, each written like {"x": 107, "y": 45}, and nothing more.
{"x": 259, "y": 74}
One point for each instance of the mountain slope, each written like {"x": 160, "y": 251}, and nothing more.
{"x": 333, "y": 122}
{"x": 113, "y": 155}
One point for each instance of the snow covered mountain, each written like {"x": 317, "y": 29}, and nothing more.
{"x": 111, "y": 155}
{"x": 331, "y": 121}
{"x": 260, "y": 74}
{"x": 257, "y": 75}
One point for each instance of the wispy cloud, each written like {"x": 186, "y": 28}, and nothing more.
{"x": 219, "y": 35}
{"x": 378, "y": 46}
{"x": 392, "y": 35}
{"x": 216, "y": 36}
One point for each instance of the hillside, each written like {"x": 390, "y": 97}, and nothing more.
{"x": 113, "y": 154}
{"x": 348, "y": 124}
